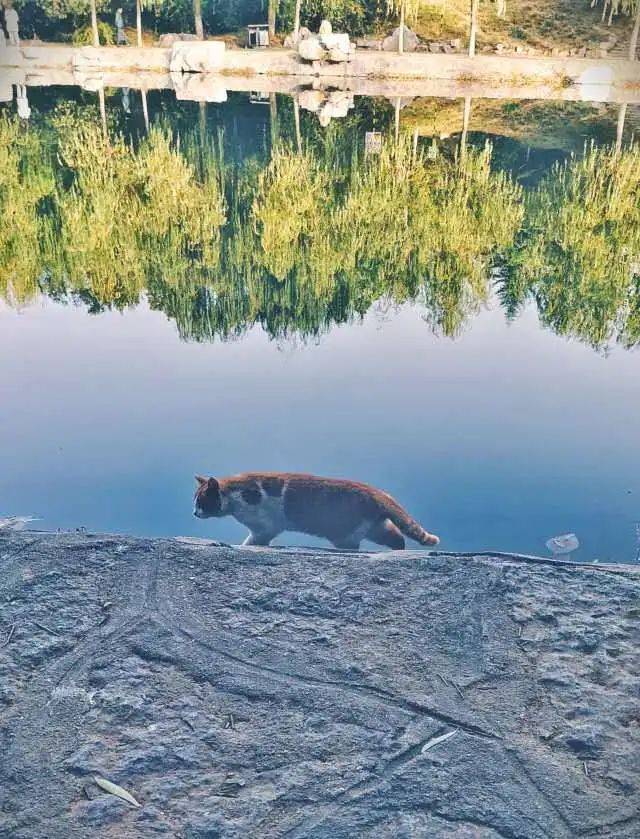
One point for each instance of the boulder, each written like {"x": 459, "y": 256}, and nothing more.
{"x": 199, "y": 57}
{"x": 338, "y": 56}
{"x": 325, "y": 28}
{"x": 290, "y": 41}
{"x": 368, "y": 44}
{"x": 411, "y": 41}
{"x": 311, "y": 50}
{"x": 171, "y": 38}
{"x": 263, "y": 692}
{"x": 336, "y": 40}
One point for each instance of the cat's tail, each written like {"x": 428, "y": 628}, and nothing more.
{"x": 409, "y": 526}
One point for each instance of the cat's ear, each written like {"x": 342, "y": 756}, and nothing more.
{"x": 201, "y": 481}
{"x": 213, "y": 485}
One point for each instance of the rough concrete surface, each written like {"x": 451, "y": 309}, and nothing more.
{"x": 256, "y": 692}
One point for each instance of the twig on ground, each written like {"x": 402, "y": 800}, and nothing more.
{"x": 9, "y": 636}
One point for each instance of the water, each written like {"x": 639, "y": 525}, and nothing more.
{"x": 498, "y": 418}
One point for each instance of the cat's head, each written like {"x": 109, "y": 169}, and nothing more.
{"x": 207, "y": 501}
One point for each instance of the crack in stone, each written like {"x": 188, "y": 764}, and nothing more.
{"x": 371, "y": 691}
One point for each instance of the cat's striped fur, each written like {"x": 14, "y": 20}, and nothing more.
{"x": 344, "y": 512}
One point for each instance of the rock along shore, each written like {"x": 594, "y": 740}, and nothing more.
{"x": 252, "y": 692}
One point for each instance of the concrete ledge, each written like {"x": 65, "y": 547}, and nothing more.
{"x": 610, "y": 80}
{"x": 268, "y": 692}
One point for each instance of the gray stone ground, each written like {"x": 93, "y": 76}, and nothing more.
{"x": 251, "y": 692}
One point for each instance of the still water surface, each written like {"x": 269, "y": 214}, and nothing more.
{"x": 497, "y": 425}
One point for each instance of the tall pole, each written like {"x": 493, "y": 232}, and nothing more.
{"x": 94, "y": 24}
{"x": 271, "y": 17}
{"x": 296, "y": 22}
{"x": 633, "y": 44}
{"x": 401, "y": 36}
{"x": 197, "y": 18}
{"x": 139, "y": 21}
{"x": 473, "y": 27}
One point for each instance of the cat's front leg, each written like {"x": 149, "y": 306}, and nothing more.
{"x": 259, "y": 538}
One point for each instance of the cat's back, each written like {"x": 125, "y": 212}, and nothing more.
{"x": 311, "y": 503}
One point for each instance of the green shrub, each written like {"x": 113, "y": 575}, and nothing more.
{"x": 84, "y": 35}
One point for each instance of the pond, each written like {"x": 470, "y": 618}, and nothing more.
{"x": 243, "y": 286}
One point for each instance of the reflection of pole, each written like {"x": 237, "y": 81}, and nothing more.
{"x": 622, "y": 113}
{"x": 473, "y": 27}
{"x": 466, "y": 116}
{"x": 415, "y": 142}
{"x": 273, "y": 111}
{"x": 397, "y": 121}
{"x": 202, "y": 121}
{"x": 145, "y": 110}
{"x": 296, "y": 119}
{"x": 103, "y": 113}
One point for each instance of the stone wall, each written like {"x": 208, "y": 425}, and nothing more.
{"x": 252, "y": 692}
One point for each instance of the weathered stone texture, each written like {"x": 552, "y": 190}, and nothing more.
{"x": 245, "y": 692}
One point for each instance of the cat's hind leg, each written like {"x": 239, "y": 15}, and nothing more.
{"x": 258, "y": 537}
{"x": 387, "y": 534}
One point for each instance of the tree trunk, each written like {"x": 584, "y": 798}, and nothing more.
{"x": 633, "y": 44}
{"x": 197, "y": 17}
{"x": 296, "y": 21}
{"x": 271, "y": 17}
{"x": 473, "y": 27}
{"x": 94, "y": 24}
{"x": 401, "y": 36}
{"x": 139, "y": 21}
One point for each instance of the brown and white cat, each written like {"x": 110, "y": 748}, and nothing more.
{"x": 344, "y": 512}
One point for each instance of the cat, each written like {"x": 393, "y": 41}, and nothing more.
{"x": 344, "y": 512}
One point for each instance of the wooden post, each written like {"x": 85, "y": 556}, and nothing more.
{"x": 94, "y": 24}
{"x": 473, "y": 27}
{"x": 197, "y": 17}
{"x": 139, "y": 21}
